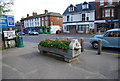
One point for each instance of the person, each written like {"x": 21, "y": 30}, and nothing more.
{"x": 117, "y": 34}
{"x": 111, "y": 34}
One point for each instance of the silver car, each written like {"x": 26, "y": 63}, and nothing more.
{"x": 33, "y": 33}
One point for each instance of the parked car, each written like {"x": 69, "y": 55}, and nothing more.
{"x": 33, "y": 33}
{"x": 21, "y": 33}
{"x": 111, "y": 38}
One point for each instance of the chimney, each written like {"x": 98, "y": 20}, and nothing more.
{"x": 34, "y": 13}
{"x": 46, "y": 11}
{"x": 27, "y": 15}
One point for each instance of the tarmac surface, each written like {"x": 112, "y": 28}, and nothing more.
{"x": 28, "y": 63}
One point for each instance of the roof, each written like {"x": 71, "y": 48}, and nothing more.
{"x": 116, "y": 29}
{"x": 52, "y": 14}
{"x": 78, "y": 8}
{"x": 41, "y": 15}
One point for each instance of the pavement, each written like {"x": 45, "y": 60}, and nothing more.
{"x": 27, "y": 63}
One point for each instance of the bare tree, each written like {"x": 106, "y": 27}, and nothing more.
{"x": 5, "y": 6}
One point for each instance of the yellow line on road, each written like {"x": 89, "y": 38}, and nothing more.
{"x": 102, "y": 52}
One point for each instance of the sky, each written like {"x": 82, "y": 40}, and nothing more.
{"x": 23, "y": 7}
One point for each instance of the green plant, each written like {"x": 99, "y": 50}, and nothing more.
{"x": 60, "y": 44}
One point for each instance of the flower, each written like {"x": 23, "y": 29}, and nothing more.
{"x": 60, "y": 44}
{"x": 48, "y": 38}
{"x": 62, "y": 48}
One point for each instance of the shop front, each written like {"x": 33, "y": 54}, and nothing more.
{"x": 44, "y": 29}
{"x": 104, "y": 25}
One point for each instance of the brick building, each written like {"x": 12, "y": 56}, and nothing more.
{"x": 107, "y": 15}
{"x": 42, "y": 23}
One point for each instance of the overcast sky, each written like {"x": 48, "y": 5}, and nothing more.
{"x": 23, "y": 7}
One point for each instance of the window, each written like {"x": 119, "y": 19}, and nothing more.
{"x": 46, "y": 23}
{"x": 46, "y": 18}
{"x": 83, "y": 17}
{"x": 67, "y": 18}
{"x": 42, "y": 18}
{"x": 42, "y": 23}
{"x": 107, "y": 13}
{"x": 71, "y": 18}
{"x": 112, "y": 34}
{"x": 103, "y": 13}
{"x": 82, "y": 27}
{"x": 101, "y": 2}
{"x": 110, "y": 2}
{"x": 48, "y": 30}
{"x": 85, "y": 6}
{"x": 71, "y": 9}
{"x": 67, "y": 28}
{"x": 87, "y": 18}
{"x": 112, "y": 13}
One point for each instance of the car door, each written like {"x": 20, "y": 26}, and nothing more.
{"x": 111, "y": 39}
{"x": 117, "y": 39}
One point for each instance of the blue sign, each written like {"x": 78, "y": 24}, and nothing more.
{"x": 7, "y": 21}
{"x": 10, "y": 20}
{"x": 113, "y": 20}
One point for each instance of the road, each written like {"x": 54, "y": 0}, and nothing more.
{"x": 28, "y": 63}
{"x": 38, "y": 38}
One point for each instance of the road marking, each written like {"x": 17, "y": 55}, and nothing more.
{"x": 14, "y": 69}
{"x": 95, "y": 73}
{"x": 102, "y": 52}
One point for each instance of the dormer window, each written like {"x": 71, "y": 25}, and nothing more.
{"x": 71, "y": 8}
{"x": 85, "y": 5}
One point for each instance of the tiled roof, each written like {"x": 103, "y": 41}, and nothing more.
{"x": 52, "y": 14}
{"x": 78, "y": 8}
{"x": 41, "y": 15}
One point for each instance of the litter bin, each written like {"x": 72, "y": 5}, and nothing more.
{"x": 19, "y": 40}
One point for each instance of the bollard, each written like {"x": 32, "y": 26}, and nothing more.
{"x": 99, "y": 46}
{"x": 68, "y": 38}
{"x": 82, "y": 44}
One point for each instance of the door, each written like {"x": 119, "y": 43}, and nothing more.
{"x": 111, "y": 38}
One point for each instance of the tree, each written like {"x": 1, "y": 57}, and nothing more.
{"x": 5, "y": 6}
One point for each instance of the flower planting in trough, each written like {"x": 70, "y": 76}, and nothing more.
{"x": 69, "y": 49}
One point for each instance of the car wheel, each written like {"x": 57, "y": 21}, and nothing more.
{"x": 95, "y": 45}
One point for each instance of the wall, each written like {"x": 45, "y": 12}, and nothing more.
{"x": 53, "y": 20}
{"x": 78, "y": 17}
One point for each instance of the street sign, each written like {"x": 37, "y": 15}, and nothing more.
{"x": 113, "y": 20}
{"x": 7, "y": 21}
{"x": 10, "y": 21}
{"x": 9, "y": 34}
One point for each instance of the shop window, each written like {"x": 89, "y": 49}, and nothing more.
{"x": 48, "y": 30}
{"x": 67, "y": 28}
{"x": 82, "y": 27}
